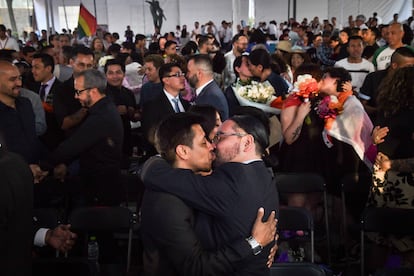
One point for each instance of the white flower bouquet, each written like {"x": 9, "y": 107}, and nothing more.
{"x": 256, "y": 94}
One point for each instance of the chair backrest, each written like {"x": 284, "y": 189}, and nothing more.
{"x": 294, "y": 218}
{"x": 299, "y": 182}
{"x": 388, "y": 220}
{"x": 101, "y": 218}
{"x": 296, "y": 269}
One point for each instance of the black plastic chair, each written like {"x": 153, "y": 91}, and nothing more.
{"x": 107, "y": 219}
{"x": 296, "y": 269}
{"x": 294, "y": 218}
{"x": 305, "y": 183}
{"x": 386, "y": 221}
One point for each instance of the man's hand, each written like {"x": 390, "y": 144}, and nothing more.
{"x": 60, "y": 172}
{"x": 61, "y": 238}
{"x": 264, "y": 232}
{"x": 37, "y": 172}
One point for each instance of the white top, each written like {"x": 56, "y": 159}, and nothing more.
{"x": 9, "y": 43}
{"x": 384, "y": 58}
{"x": 358, "y": 71}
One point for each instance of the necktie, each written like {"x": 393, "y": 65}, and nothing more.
{"x": 176, "y": 107}
{"x": 42, "y": 92}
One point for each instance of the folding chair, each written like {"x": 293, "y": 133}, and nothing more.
{"x": 386, "y": 221}
{"x": 110, "y": 219}
{"x": 296, "y": 269}
{"x": 305, "y": 183}
{"x": 294, "y": 218}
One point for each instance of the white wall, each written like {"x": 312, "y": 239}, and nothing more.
{"x": 117, "y": 14}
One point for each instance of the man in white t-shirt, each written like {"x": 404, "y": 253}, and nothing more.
{"x": 7, "y": 43}
{"x": 357, "y": 66}
{"x": 382, "y": 56}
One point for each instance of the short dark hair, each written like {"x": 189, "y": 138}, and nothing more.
{"x": 139, "y": 37}
{"x": 237, "y": 63}
{"x": 204, "y": 61}
{"x": 339, "y": 73}
{"x": 166, "y": 69}
{"x": 169, "y": 43}
{"x": 260, "y": 57}
{"x": 254, "y": 127}
{"x": 156, "y": 59}
{"x": 355, "y": 37}
{"x": 400, "y": 53}
{"x": 208, "y": 112}
{"x": 81, "y": 50}
{"x": 175, "y": 130}
{"x": 28, "y": 49}
{"x": 114, "y": 61}
{"x": 46, "y": 59}
{"x": 236, "y": 37}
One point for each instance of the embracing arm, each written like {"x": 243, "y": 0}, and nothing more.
{"x": 292, "y": 119}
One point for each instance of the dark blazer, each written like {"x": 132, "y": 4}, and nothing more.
{"x": 171, "y": 246}
{"x": 16, "y": 203}
{"x": 212, "y": 95}
{"x": 154, "y": 111}
{"x": 227, "y": 200}
{"x": 54, "y": 134}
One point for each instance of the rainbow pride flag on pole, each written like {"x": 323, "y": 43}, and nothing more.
{"x": 86, "y": 23}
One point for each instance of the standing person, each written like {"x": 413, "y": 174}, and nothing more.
{"x": 129, "y": 34}
{"x": 243, "y": 77}
{"x": 182, "y": 142}
{"x": 239, "y": 43}
{"x": 153, "y": 88}
{"x": 382, "y": 56}
{"x": 356, "y": 65}
{"x": 68, "y": 110}
{"x": 259, "y": 66}
{"x": 124, "y": 101}
{"x": 392, "y": 187}
{"x": 42, "y": 68}
{"x": 168, "y": 102}
{"x": 200, "y": 76}
{"x": 6, "y": 42}
{"x": 228, "y": 199}
{"x": 97, "y": 142}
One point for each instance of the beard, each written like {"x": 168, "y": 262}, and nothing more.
{"x": 193, "y": 81}
{"x": 226, "y": 155}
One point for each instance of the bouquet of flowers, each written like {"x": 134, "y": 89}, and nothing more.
{"x": 306, "y": 86}
{"x": 256, "y": 94}
{"x": 329, "y": 107}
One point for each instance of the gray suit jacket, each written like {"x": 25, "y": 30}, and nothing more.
{"x": 212, "y": 95}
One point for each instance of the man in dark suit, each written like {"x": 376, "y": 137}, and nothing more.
{"x": 69, "y": 112}
{"x": 42, "y": 68}
{"x": 171, "y": 246}
{"x": 200, "y": 76}
{"x": 169, "y": 102}
{"x": 228, "y": 199}
{"x": 16, "y": 224}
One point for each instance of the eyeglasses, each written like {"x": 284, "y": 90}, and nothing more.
{"x": 177, "y": 75}
{"x": 78, "y": 92}
{"x": 219, "y": 136}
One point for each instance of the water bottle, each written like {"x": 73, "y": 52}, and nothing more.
{"x": 93, "y": 255}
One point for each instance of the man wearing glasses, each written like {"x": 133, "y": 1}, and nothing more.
{"x": 69, "y": 112}
{"x": 97, "y": 142}
{"x": 169, "y": 102}
{"x": 228, "y": 199}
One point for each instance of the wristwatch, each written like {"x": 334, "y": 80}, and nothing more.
{"x": 256, "y": 247}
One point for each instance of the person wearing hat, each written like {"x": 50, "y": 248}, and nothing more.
{"x": 360, "y": 22}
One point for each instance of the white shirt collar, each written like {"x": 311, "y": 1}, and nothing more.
{"x": 198, "y": 90}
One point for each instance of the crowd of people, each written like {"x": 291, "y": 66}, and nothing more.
{"x": 69, "y": 110}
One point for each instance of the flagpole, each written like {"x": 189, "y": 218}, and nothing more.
{"x": 94, "y": 7}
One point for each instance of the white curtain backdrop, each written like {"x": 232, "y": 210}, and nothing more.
{"x": 117, "y": 14}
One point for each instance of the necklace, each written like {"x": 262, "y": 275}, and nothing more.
{"x": 2, "y": 46}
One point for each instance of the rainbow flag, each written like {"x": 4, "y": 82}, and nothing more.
{"x": 86, "y": 23}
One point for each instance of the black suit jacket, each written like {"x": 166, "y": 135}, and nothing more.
{"x": 171, "y": 246}
{"x": 16, "y": 203}
{"x": 54, "y": 134}
{"x": 227, "y": 200}
{"x": 154, "y": 111}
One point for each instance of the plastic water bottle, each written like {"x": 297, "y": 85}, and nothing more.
{"x": 93, "y": 255}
